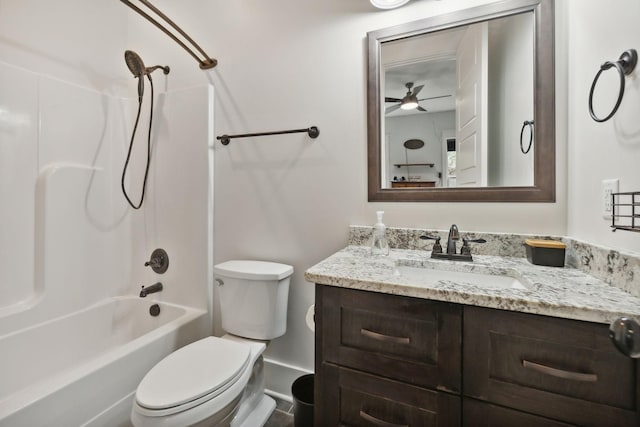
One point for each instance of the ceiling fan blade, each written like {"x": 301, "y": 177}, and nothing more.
{"x": 434, "y": 97}
{"x": 391, "y": 109}
{"x": 416, "y": 90}
{"x": 388, "y": 99}
{"x": 419, "y": 108}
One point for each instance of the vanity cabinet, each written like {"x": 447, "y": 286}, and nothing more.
{"x": 388, "y": 360}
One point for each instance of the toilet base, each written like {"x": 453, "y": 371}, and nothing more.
{"x": 250, "y": 408}
{"x": 259, "y": 415}
{"x": 255, "y": 407}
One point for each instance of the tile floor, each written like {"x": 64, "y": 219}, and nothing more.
{"x": 282, "y": 416}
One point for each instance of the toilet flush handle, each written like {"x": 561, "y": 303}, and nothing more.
{"x": 220, "y": 282}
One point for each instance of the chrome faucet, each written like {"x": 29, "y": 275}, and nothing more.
{"x": 451, "y": 240}
{"x": 156, "y": 287}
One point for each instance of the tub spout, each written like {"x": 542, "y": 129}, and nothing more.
{"x": 156, "y": 287}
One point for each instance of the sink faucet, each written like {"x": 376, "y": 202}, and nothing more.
{"x": 451, "y": 240}
{"x": 157, "y": 287}
{"x": 451, "y": 253}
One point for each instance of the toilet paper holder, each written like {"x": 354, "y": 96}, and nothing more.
{"x": 310, "y": 318}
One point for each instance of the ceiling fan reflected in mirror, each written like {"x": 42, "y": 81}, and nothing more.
{"x": 410, "y": 100}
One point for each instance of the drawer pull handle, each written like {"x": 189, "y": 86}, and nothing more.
{"x": 385, "y": 338}
{"x": 559, "y": 373}
{"x": 378, "y": 421}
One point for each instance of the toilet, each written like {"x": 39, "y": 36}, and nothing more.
{"x": 220, "y": 381}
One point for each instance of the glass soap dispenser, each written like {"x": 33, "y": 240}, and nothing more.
{"x": 380, "y": 244}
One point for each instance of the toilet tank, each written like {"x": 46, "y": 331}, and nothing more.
{"x": 253, "y": 297}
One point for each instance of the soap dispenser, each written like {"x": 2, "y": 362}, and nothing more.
{"x": 380, "y": 245}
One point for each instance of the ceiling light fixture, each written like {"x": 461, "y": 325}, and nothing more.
{"x": 388, "y": 4}
{"x": 409, "y": 102}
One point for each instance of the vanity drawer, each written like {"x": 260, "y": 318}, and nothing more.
{"x": 561, "y": 369}
{"x": 407, "y": 339}
{"x": 353, "y": 398}
{"x": 480, "y": 414}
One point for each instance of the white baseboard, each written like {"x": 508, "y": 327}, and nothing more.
{"x": 279, "y": 377}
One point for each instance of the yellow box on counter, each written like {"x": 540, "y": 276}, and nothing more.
{"x": 545, "y": 252}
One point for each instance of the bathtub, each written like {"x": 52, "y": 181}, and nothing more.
{"x": 83, "y": 368}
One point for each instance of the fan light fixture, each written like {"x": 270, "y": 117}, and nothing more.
{"x": 409, "y": 102}
{"x": 388, "y": 4}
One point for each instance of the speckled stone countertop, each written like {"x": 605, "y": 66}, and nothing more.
{"x": 559, "y": 292}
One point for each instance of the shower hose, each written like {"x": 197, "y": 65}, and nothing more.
{"x": 133, "y": 134}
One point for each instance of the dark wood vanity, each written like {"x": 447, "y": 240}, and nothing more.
{"x": 388, "y": 360}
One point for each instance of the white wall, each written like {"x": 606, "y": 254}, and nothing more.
{"x": 79, "y": 41}
{"x": 600, "y": 32}
{"x": 511, "y": 88}
{"x": 427, "y": 127}
{"x": 288, "y": 64}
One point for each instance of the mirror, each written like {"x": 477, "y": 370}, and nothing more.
{"x": 476, "y": 88}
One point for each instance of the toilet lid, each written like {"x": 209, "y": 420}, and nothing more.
{"x": 253, "y": 270}
{"x": 196, "y": 370}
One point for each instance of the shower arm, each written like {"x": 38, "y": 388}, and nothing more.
{"x": 205, "y": 63}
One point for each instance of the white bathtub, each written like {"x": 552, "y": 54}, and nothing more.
{"x": 82, "y": 369}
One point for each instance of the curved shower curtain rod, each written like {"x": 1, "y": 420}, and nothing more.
{"x": 205, "y": 63}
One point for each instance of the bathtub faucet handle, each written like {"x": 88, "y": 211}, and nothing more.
{"x": 159, "y": 261}
{"x": 153, "y": 262}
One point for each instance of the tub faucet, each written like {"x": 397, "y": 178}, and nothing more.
{"x": 451, "y": 240}
{"x": 156, "y": 287}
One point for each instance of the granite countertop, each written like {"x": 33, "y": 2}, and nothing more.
{"x": 559, "y": 292}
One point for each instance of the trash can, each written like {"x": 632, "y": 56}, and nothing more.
{"x": 302, "y": 392}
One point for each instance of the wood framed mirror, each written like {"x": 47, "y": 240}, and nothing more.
{"x": 425, "y": 63}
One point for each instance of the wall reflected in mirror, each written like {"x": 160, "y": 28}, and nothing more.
{"x": 465, "y": 92}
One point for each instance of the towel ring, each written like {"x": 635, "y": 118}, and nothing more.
{"x": 525, "y": 124}
{"x": 625, "y": 65}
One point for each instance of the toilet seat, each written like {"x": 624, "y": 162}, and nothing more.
{"x": 192, "y": 375}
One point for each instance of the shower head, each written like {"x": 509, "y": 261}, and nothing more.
{"x": 135, "y": 63}
{"x": 137, "y": 68}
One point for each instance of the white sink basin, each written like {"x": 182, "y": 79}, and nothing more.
{"x": 484, "y": 280}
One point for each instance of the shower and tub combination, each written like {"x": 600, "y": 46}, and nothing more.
{"x": 76, "y": 337}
